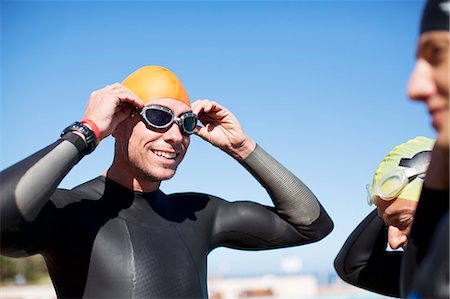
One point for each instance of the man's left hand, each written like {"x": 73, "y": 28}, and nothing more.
{"x": 222, "y": 129}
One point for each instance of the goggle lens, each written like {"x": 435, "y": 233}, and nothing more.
{"x": 158, "y": 118}
{"x": 391, "y": 185}
{"x": 190, "y": 123}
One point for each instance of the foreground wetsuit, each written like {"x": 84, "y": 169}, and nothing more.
{"x": 364, "y": 262}
{"x": 425, "y": 270}
{"x": 103, "y": 240}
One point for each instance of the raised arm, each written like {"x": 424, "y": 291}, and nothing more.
{"x": 295, "y": 205}
{"x": 364, "y": 262}
{"x": 27, "y": 185}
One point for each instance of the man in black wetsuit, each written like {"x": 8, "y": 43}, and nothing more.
{"x": 425, "y": 265}
{"x": 119, "y": 235}
{"x": 425, "y": 272}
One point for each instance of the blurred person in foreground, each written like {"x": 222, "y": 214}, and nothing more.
{"x": 425, "y": 265}
{"x": 425, "y": 272}
{"x": 118, "y": 235}
{"x": 365, "y": 260}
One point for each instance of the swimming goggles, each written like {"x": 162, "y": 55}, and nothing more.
{"x": 161, "y": 118}
{"x": 391, "y": 185}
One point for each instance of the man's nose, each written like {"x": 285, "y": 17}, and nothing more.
{"x": 174, "y": 133}
{"x": 421, "y": 85}
{"x": 396, "y": 237}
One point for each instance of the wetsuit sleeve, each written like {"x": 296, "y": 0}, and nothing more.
{"x": 293, "y": 200}
{"x": 296, "y": 218}
{"x": 432, "y": 206}
{"x": 364, "y": 262}
{"x": 26, "y": 188}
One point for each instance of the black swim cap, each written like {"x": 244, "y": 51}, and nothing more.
{"x": 435, "y": 16}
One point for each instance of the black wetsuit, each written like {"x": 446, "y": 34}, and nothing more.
{"x": 364, "y": 262}
{"x": 103, "y": 240}
{"x": 425, "y": 270}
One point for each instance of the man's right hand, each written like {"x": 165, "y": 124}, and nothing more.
{"x": 109, "y": 106}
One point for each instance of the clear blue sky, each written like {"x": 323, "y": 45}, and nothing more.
{"x": 319, "y": 84}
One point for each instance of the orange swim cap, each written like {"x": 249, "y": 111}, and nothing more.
{"x": 155, "y": 82}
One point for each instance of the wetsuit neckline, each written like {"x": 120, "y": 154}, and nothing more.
{"x": 151, "y": 194}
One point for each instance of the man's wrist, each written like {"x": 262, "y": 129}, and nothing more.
{"x": 83, "y": 131}
{"x": 247, "y": 147}
{"x": 91, "y": 125}
{"x": 78, "y": 140}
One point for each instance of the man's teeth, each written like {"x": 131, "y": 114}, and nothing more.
{"x": 165, "y": 154}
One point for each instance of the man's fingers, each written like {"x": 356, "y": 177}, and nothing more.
{"x": 110, "y": 106}
{"x": 126, "y": 95}
{"x": 204, "y": 132}
{"x": 203, "y": 106}
{"x": 132, "y": 97}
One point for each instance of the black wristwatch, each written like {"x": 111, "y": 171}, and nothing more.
{"x": 89, "y": 135}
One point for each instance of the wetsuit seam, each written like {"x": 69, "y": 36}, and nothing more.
{"x": 132, "y": 262}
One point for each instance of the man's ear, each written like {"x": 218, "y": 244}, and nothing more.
{"x": 125, "y": 127}
{"x": 117, "y": 132}
{"x": 114, "y": 133}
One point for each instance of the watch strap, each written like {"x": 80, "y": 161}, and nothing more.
{"x": 89, "y": 135}
{"x": 76, "y": 140}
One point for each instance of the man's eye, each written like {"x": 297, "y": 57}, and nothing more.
{"x": 436, "y": 54}
{"x": 403, "y": 223}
